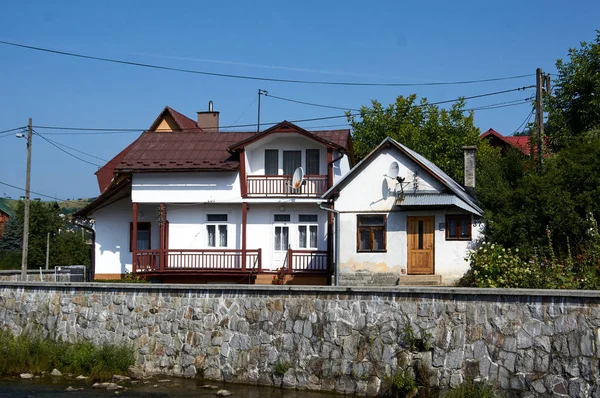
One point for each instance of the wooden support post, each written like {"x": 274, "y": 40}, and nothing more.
{"x": 134, "y": 230}
{"x": 162, "y": 238}
{"x": 244, "y": 222}
{"x": 329, "y": 168}
{"x": 243, "y": 178}
{"x": 290, "y": 265}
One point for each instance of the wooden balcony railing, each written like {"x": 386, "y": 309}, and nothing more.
{"x": 173, "y": 261}
{"x": 306, "y": 260}
{"x": 275, "y": 186}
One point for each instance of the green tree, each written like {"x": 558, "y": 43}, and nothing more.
{"x": 66, "y": 246}
{"x": 574, "y": 108}
{"x": 438, "y": 134}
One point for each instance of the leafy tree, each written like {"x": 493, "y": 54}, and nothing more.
{"x": 66, "y": 247}
{"x": 438, "y": 134}
{"x": 574, "y": 109}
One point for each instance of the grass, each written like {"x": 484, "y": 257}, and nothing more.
{"x": 23, "y": 354}
{"x": 281, "y": 368}
{"x": 471, "y": 389}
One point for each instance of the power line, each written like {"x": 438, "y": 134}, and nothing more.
{"x": 312, "y": 103}
{"x": 36, "y": 193}
{"x": 527, "y": 119}
{"x": 247, "y": 77}
{"x": 95, "y": 130}
{"x": 65, "y": 151}
{"x": 7, "y": 133}
{"x": 71, "y": 148}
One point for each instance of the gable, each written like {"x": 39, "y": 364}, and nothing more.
{"x": 166, "y": 124}
{"x": 372, "y": 190}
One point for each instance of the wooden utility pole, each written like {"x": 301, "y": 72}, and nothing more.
{"x": 26, "y": 217}
{"x": 48, "y": 250}
{"x": 539, "y": 114}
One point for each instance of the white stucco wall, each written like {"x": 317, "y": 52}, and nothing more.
{"x": 187, "y": 229}
{"x": 255, "y": 154}
{"x": 112, "y": 226}
{"x": 201, "y": 187}
{"x": 370, "y": 192}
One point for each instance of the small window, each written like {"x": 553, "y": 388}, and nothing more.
{"x": 216, "y": 230}
{"x": 371, "y": 233}
{"x": 271, "y": 162}
{"x": 143, "y": 236}
{"x": 312, "y": 161}
{"x": 458, "y": 227}
{"x": 281, "y": 218}
{"x": 308, "y": 231}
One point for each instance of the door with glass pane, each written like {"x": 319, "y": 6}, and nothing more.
{"x": 281, "y": 240}
{"x": 420, "y": 245}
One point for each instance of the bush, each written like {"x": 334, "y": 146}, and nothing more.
{"x": 470, "y": 389}
{"x": 403, "y": 384}
{"x": 35, "y": 355}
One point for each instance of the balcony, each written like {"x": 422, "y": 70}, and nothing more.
{"x": 208, "y": 261}
{"x": 263, "y": 186}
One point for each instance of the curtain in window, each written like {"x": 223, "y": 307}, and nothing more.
{"x": 281, "y": 238}
{"x": 313, "y": 236}
{"x": 211, "y": 235}
{"x": 271, "y": 162}
{"x": 302, "y": 236}
{"x": 223, "y": 235}
{"x": 143, "y": 239}
{"x": 291, "y": 161}
{"x": 312, "y": 161}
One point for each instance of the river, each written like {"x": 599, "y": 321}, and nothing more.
{"x": 184, "y": 388}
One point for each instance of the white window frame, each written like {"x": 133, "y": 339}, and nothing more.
{"x": 217, "y": 225}
{"x": 307, "y": 225}
{"x": 282, "y": 224}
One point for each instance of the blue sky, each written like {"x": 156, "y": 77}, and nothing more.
{"x": 386, "y": 41}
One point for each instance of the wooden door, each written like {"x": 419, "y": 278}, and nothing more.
{"x": 420, "y": 245}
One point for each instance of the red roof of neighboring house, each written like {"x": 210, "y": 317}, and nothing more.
{"x": 183, "y": 122}
{"x": 496, "y": 139}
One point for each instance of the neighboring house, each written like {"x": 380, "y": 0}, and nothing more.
{"x": 497, "y": 140}
{"x": 403, "y": 220}
{"x": 6, "y": 213}
{"x": 186, "y": 203}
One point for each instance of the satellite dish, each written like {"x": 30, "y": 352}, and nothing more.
{"x": 393, "y": 170}
{"x": 385, "y": 189}
{"x": 297, "y": 178}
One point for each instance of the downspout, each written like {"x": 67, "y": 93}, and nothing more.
{"x": 336, "y": 254}
{"x": 93, "y": 248}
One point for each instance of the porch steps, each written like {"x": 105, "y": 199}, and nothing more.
{"x": 420, "y": 280}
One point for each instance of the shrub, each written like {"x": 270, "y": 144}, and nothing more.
{"x": 471, "y": 389}
{"x": 281, "y": 368}
{"x": 33, "y": 354}
{"x": 403, "y": 384}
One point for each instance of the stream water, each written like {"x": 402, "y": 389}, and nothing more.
{"x": 53, "y": 388}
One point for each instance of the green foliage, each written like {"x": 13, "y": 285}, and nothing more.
{"x": 471, "y": 389}
{"x": 66, "y": 246}
{"x": 403, "y": 384}
{"x": 33, "y": 354}
{"x": 438, "y": 134}
{"x": 10, "y": 259}
{"x": 415, "y": 341}
{"x": 574, "y": 108}
{"x": 281, "y": 367}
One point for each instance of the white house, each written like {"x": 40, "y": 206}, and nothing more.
{"x": 207, "y": 206}
{"x": 403, "y": 220}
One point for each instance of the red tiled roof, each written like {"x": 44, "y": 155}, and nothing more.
{"x": 182, "y": 151}
{"x": 519, "y": 142}
{"x": 184, "y": 122}
{"x": 106, "y": 173}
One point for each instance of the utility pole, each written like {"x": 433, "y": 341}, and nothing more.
{"x": 539, "y": 113}
{"x": 26, "y": 218}
{"x": 47, "y": 250}
{"x": 260, "y": 92}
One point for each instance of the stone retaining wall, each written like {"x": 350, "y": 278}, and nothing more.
{"x": 531, "y": 343}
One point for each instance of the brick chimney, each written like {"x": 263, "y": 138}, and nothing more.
{"x": 209, "y": 120}
{"x": 469, "y": 152}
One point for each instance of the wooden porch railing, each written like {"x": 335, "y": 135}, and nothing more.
{"x": 280, "y": 185}
{"x": 190, "y": 260}
{"x": 306, "y": 260}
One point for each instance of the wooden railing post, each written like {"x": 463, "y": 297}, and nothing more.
{"x": 259, "y": 260}
{"x": 244, "y": 221}
{"x": 134, "y": 229}
{"x": 290, "y": 266}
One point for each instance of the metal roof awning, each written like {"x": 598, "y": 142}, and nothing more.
{"x": 431, "y": 200}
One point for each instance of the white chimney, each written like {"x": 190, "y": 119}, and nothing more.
{"x": 469, "y": 152}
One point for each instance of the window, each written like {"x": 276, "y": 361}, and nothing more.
{"x": 281, "y": 218}
{"x": 143, "y": 236}
{"x": 271, "y": 162}
{"x": 216, "y": 228}
{"x": 291, "y": 161}
{"x": 458, "y": 227}
{"x": 371, "y": 231}
{"x": 281, "y": 237}
{"x": 307, "y": 231}
{"x": 312, "y": 161}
